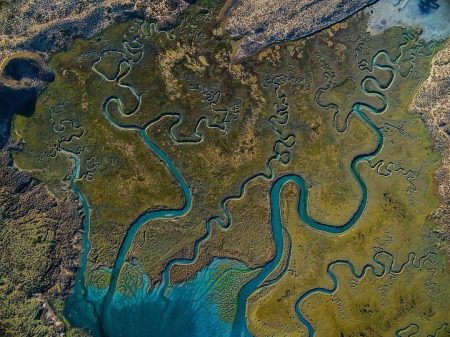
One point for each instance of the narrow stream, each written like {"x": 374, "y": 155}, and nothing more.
{"x": 162, "y": 309}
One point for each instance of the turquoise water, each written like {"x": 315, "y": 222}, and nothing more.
{"x": 177, "y": 310}
{"x": 186, "y": 309}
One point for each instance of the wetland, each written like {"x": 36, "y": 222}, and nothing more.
{"x": 287, "y": 193}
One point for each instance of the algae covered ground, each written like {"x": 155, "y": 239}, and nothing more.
{"x": 286, "y": 193}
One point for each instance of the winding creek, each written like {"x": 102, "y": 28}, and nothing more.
{"x": 98, "y": 315}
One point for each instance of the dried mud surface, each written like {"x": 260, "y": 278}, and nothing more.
{"x": 45, "y": 27}
{"x": 259, "y": 23}
{"x": 432, "y": 102}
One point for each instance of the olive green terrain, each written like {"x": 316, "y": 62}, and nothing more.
{"x": 119, "y": 176}
{"x": 231, "y": 129}
{"x": 402, "y": 194}
{"x": 307, "y": 144}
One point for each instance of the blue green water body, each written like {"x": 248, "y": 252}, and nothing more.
{"x": 171, "y": 310}
{"x": 188, "y": 309}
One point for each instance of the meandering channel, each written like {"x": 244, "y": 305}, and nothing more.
{"x": 239, "y": 327}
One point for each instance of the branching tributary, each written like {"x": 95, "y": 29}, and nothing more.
{"x": 239, "y": 328}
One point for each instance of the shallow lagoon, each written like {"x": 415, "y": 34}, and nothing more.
{"x": 189, "y": 309}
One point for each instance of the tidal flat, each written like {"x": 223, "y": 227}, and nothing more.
{"x": 284, "y": 194}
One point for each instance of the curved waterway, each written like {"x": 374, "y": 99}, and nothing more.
{"x": 148, "y": 216}
{"x": 164, "y": 311}
{"x": 413, "y": 330}
{"x": 77, "y": 310}
{"x": 382, "y": 270}
{"x": 240, "y": 328}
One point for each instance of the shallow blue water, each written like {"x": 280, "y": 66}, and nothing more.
{"x": 186, "y": 309}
